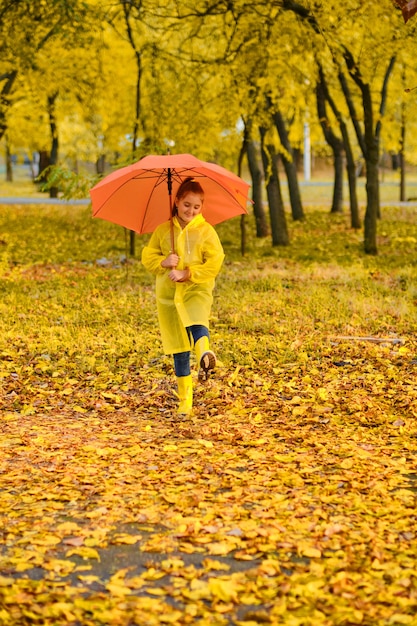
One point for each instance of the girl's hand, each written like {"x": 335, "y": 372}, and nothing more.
{"x": 179, "y": 276}
{"x": 171, "y": 260}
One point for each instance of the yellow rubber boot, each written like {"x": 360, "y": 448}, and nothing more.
{"x": 185, "y": 394}
{"x": 206, "y": 358}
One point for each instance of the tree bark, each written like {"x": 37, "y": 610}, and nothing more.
{"x": 370, "y": 144}
{"x": 336, "y": 145}
{"x": 355, "y": 220}
{"x": 373, "y": 211}
{"x": 256, "y": 175}
{"x": 43, "y": 163}
{"x": 279, "y": 229}
{"x": 127, "y": 7}
{"x": 53, "y": 159}
{"x": 402, "y": 154}
{"x": 289, "y": 164}
{"x": 350, "y": 161}
{"x": 337, "y": 200}
{"x": 9, "y": 79}
{"x": 242, "y": 152}
{"x": 100, "y": 164}
{"x": 372, "y": 206}
{"x": 8, "y": 159}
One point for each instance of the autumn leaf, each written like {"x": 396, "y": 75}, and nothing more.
{"x": 225, "y": 590}
{"x": 288, "y": 496}
{"x": 84, "y": 552}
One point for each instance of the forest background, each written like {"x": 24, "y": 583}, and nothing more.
{"x": 106, "y": 83}
{"x": 288, "y": 497}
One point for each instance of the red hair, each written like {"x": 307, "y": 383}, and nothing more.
{"x": 188, "y": 185}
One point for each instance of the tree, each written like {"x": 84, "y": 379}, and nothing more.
{"x": 323, "y": 96}
{"x": 399, "y": 129}
{"x": 25, "y": 28}
{"x": 336, "y": 144}
{"x": 369, "y": 140}
{"x": 257, "y": 181}
{"x": 367, "y": 61}
{"x": 288, "y": 158}
{"x": 276, "y": 205}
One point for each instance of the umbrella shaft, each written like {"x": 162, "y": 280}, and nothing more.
{"x": 169, "y": 183}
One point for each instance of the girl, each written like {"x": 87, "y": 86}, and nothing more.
{"x": 184, "y": 285}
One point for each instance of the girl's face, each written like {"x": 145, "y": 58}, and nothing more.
{"x": 189, "y": 206}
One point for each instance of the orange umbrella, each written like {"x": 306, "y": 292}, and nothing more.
{"x": 140, "y": 196}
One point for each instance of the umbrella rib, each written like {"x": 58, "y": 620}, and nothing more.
{"x": 175, "y": 172}
{"x": 225, "y": 187}
{"x": 162, "y": 177}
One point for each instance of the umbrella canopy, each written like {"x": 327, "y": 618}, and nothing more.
{"x": 140, "y": 196}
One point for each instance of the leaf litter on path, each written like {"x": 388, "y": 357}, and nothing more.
{"x": 277, "y": 486}
{"x": 287, "y": 498}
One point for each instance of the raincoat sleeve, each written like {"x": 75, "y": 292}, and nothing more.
{"x": 152, "y": 254}
{"x": 212, "y": 259}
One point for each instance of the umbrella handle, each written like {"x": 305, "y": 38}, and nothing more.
{"x": 171, "y": 233}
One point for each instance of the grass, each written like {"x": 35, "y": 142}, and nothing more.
{"x": 65, "y": 281}
{"x": 288, "y": 497}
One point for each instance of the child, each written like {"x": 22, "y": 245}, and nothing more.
{"x": 184, "y": 285}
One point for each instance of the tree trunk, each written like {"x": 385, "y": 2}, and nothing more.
{"x": 242, "y": 152}
{"x": 290, "y": 165}
{"x": 336, "y": 145}
{"x": 43, "y": 163}
{"x": 100, "y": 164}
{"x": 372, "y": 206}
{"x": 279, "y": 229}
{"x": 355, "y": 220}
{"x": 53, "y": 160}
{"x": 132, "y": 243}
{"x": 127, "y": 8}
{"x": 369, "y": 141}
{"x": 402, "y": 155}
{"x": 338, "y": 161}
{"x": 9, "y": 79}
{"x": 243, "y": 235}
{"x": 8, "y": 159}
{"x": 138, "y": 56}
{"x": 256, "y": 175}
{"x": 372, "y": 179}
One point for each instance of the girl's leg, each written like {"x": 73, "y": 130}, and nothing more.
{"x": 205, "y": 357}
{"x": 182, "y": 364}
{"x": 196, "y": 332}
{"x": 184, "y": 382}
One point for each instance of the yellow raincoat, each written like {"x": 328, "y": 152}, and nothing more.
{"x": 184, "y": 304}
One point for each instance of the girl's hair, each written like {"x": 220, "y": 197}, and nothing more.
{"x": 188, "y": 185}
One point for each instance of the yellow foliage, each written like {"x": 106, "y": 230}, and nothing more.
{"x": 288, "y": 496}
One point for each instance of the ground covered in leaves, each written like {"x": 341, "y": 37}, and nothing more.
{"x": 288, "y": 497}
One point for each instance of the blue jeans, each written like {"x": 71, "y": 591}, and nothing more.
{"x": 182, "y": 359}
